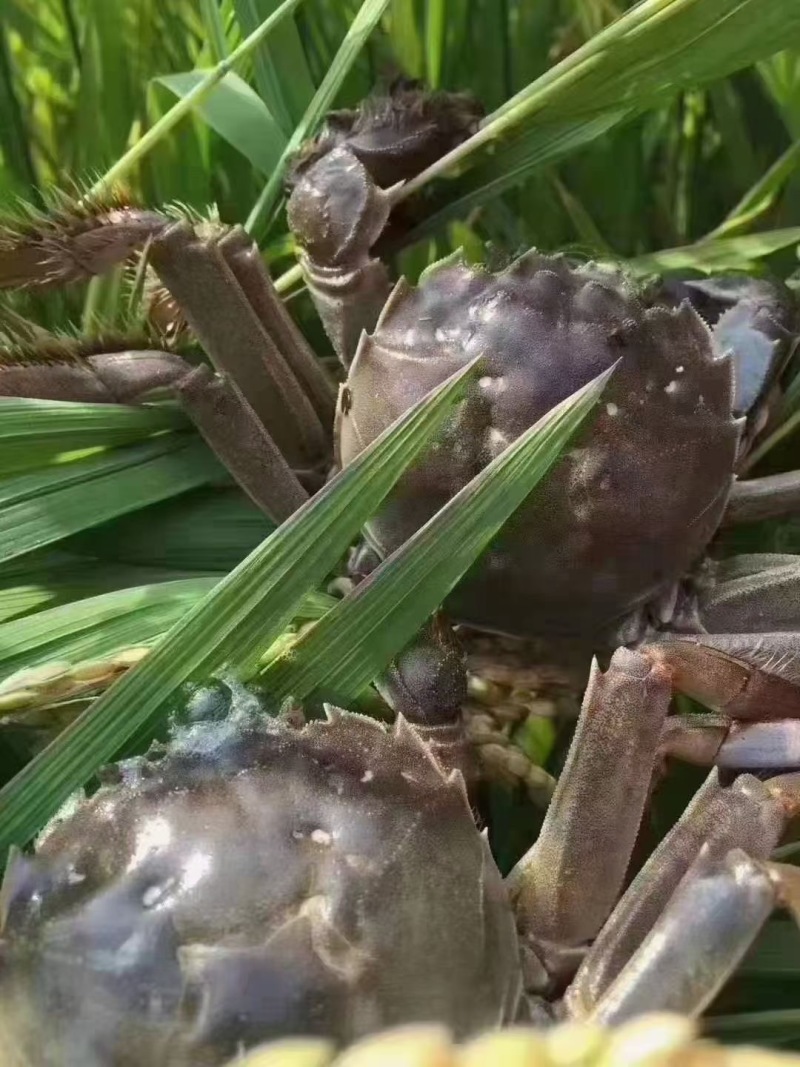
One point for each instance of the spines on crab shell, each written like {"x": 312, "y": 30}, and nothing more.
{"x": 256, "y": 880}
{"x": 638, "y": 497}
{"x": 755, "y": 319}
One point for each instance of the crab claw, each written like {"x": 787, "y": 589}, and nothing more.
{"x": 744, "y": 676}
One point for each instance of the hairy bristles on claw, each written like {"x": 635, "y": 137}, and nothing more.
{"x": 70, "y": 347}
{"x": 395, "y": 134}
{"x": 72, "y": 240}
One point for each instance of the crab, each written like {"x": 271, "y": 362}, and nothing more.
{"x": 258, "y": 877}
{"x": 594, "y": 558}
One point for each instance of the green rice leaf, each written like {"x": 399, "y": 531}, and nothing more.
{"x": 210, "y": 529}
{"x": 761, "y": 197}
{"x": 96, "y": 627}
{"x": 41, "y": 508}
{"x": 282, "y": 76}
{"x": 236, "y": 113}
{"x": 49, "y": 577}
{"x": 358, "y": 639}
{"x": 34, "y": 432}
{"x": 759, "y": 1027}
{"x": 718, "y": 253}
{"x": 233, "y": 625}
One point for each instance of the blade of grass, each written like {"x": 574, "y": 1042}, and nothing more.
{"x": 282, "y": 76}
{"x": 97, "y": 626}
{"x": 41, "y": 508}
{"x": 717, "y": 254}
{"x": 763, "y": 1027}
{"x": 236, "y": 113}
{"x": 233, "y": 625}
{"x": 215, "y": 31}
{"x": 14, "y": 129}
{"x": 361, "y": 27}
{"x": 187, "y": 103}
{"x": 435, "y": 25}
{"x": 46, "y": 579}
{"x": 204, "y": 530}
{"x": 356, "y": 640}
{"x": 34, "y": 432}
{"x": 762, "y": 195}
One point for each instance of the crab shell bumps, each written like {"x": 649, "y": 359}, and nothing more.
{"x": 638, "y": 497}
{"x": 255, "y": 881}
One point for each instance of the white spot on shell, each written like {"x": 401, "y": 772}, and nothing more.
{"x": 321, "y": 837}
{"x": 679, "y": 370}
{"x": 367, "y": 776}
{"x": 154, "y": 836}
{"x": 74, "y": 878}
{"x": 671, "y": 388}
{"x": 154, "y": 894}
{"x": 612, "y": 410}
{"x": 195, "y": 869}
{"x": 497, "y": 440}
{"x": 497, "y": 385}
{"x": 298, "y": 835}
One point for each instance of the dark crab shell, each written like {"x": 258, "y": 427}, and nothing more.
{"x": 256, "y": 881}
{"x": 637, "y": 499}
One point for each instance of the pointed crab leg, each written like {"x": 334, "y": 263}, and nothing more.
{"x": 198, "y": 275}
{"x": 709, "y": 924}
{"x": 771, "y": 497}
{"x": 567, "y": 884}
{"x": 240, "y": 440}
{"x": 749, "y": 815}
{"x": 244, "y": 259}
{"x": 272, "y": 405}
{"x": 751, "y": 594}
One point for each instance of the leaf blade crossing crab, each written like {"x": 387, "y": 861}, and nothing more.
{"x": 544, "y": 325}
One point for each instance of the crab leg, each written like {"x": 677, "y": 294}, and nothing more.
{"x": 744, "y": 676}
{"x": 772, "y": 497}
{"x": 749, "y": 594}
{"x": 244, "y": 259}
{"x": 749, "y": 815}
{"x": 107, "y": 378}
{"x": 708, "y": 926}
{"x": 567, "y": 884}
{"x": 242, "y": 443}
{"x": 200, "y": 277}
